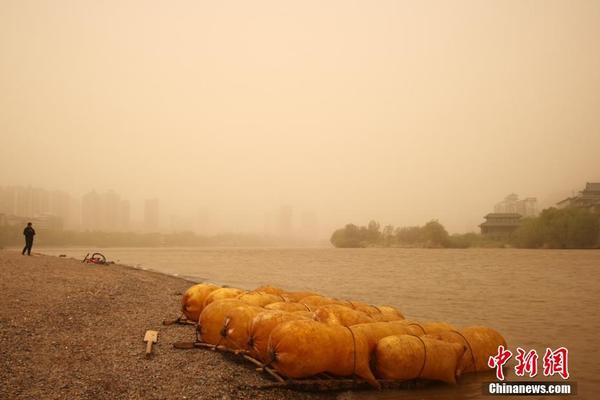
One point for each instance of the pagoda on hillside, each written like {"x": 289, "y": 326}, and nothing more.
{"x": 587, "y": 198}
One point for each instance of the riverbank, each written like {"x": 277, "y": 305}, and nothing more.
{"x": 74, "y": 331}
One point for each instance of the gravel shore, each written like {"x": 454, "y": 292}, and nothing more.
{"x": 74, "y": 331}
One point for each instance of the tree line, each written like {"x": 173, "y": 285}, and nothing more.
{"x": 432, "y": 234}
{"x": 569, "y": 228}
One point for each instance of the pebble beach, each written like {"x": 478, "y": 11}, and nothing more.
{"x": 75, "y": 331}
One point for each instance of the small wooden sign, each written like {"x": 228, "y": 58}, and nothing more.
{"x": 150, "y": 337}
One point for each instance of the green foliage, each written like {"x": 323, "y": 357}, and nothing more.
{"x": 387, "y": 235}
{"x": 372, "y": 234}
{"x": 433, "y": 234}
{"x": 350, "y": 236}
{"x": 567, "y": 228}
{"x": 408, "y": 235}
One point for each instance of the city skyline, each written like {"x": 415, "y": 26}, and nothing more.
{"x": 108, "y": 211}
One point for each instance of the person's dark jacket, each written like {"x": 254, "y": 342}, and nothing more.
{"x": 29, "y": 233}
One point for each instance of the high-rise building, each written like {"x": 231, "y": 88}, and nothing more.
{"x": 104, "y": 212}
{"x": 511, "y": 204}
{"x": 151, "y": 215}
{"x": 60, "y": 206}
{"x": 109, "y": 210}
{"x": 40, "y": 201}
{"x": 52, "y": 207}
{"x": 91, "y": 211}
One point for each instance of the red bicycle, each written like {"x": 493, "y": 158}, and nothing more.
{"x": 96, "y": 258}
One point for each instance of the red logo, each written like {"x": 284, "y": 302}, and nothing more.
{"x": 499, "y": 360}
{"x": 557, "y": 362}
{"x": 527, "y": 362}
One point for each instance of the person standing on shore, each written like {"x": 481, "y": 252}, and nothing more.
{"x": 29, "y": 233}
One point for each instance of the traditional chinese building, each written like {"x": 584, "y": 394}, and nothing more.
{"x": 587, "y": 198}
{"x": 500, "y": 224}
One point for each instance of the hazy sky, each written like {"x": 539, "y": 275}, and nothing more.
{"x": 401, "y": 111}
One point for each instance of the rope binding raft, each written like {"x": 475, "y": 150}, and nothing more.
{"x": 320, "y": 383}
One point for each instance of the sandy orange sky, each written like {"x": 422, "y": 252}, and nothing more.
{"x": 401, "y": 111}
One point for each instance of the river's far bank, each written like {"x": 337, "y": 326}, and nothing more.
{"x": 74, "y": 331}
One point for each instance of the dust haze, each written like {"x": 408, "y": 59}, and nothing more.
{"x": 337, "y": 111}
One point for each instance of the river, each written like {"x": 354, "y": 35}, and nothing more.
{"x": 535, "y": 298}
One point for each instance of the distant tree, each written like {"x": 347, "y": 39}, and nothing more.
{"x": 529, "y": 235}
{"x": 435, "y": 234}
{"x": 559, "y": 228}
{"x": 472, "y": 239}
{"x": 408, "y": 235}
{"x": 349, "y": 236}
{"x": 463, "y": 241}
{"x": 387, "y": 235}
{"x": 583, "y": 229}
{"x": 554, "y": 228}
{"x": 373, "y": 234}
{"x": 374, "y": 226}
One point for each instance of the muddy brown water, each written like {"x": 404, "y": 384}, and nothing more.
{"x": 535, "y": 298}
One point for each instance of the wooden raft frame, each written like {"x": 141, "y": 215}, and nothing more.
{"x": 320, "y": 383}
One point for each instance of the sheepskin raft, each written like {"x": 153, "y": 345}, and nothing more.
{"x": 308, "y": 341}
{"x": 301, "y": 349}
